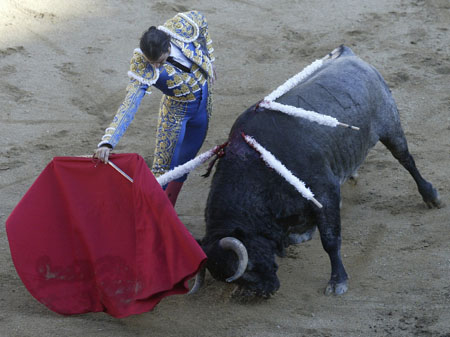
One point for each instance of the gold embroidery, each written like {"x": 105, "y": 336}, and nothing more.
{"x": 200, "y": 77}
{"x": 189, "y": 53}
{"x": 186, "y": 84}
{"x": 181, "y": 27}
{"x": 185, "y": 76}
{"x": 170, "y": 70}
{"x": 178, "y": 79}
{"x": 191, "y": 82}
{"x": 170, "y": 84}
{"x": 197, "y": 59}
{"x": 199, "y": 51}
{"x": 142, "y": 68}
{"x": 132, "y": 88}
{"x": 185, "y": 89}
{"x": 201, "y": 59}
{"x": 188, "y": 98}
{"x": 171, "y": 114}
{"x": 175, "y": 82}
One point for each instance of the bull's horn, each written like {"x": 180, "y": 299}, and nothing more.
{"x": 238, "y": 247}
{"x": 199, "y": 278}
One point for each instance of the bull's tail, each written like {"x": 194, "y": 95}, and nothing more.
{"x": 342, "y": 50}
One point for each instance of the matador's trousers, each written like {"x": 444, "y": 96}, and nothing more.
{"x": 181, "y": 130}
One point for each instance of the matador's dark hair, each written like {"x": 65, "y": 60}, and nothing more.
{"x": 154, "y": 43}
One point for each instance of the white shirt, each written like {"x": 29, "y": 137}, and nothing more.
{"x": 178, "y": 56}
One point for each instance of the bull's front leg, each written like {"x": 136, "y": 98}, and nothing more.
{"x": 329, "y": 224}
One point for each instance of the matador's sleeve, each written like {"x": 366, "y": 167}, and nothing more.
{"x": 125, "y": 113}
{"x": 142, "y": 76}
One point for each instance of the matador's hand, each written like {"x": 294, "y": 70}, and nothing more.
{"x": 102, "y": 153}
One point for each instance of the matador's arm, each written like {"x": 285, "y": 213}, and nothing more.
{"x": 125, "y": 114}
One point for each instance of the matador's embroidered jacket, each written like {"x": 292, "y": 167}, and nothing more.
{"x": 189, "y": 32}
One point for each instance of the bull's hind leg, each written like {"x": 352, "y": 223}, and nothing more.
{"x": 399, "y": 149}
{"x": 329, "y": 224}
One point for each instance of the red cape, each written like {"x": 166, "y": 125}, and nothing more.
{"x": 85, "y": 239}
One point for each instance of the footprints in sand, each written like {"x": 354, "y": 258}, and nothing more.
{"x": 83, "y": 105}
{"x": 83, "y": 97}
{"x": 15, "y": 93}
{"x": 96, "y": 50}
{"x": 11, "y": 165}
{"x": 356, "y": 35}
{"x": 9, "y": 159}
{"x": 92, "y": 50}
{"x": 67, "y": 68}
{"x": 397, "y": 78}
{"x": 108, "y": 71}
{"x": 7, "y": 70}
{"x": 42, "y": 147}
{"x": 11, "y": 91}
{"x": 163, "y": 6}
{"x": 13, "y": 50}
{"x": 61, "y": 134}
{"x": 301, "y": 43}
{"x": 33, "y": 13}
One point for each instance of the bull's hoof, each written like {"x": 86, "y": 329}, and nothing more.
{"x": 435, "y": 203}
{"x": 334, "y": 288}
{"x": 354, "y": 179}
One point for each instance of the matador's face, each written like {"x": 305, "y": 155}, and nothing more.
{"x": 160, "y": 61}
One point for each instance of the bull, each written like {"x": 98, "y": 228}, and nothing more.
{"x": 253, "y": 212}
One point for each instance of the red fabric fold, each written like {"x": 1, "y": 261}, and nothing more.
{"x": 85, "y": 239}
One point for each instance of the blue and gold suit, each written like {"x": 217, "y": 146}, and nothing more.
{"x": 186, "y": 104}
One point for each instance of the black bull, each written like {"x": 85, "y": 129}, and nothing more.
{"x": 250, "y": 202}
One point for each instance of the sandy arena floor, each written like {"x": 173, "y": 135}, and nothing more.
{"x": 63, "y": 71}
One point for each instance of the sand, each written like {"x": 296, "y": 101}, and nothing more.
{"x": 63, "y": 71}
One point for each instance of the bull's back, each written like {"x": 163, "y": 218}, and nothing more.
{"x": 340, "y": 88}
{"x": 345, "y": 88}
